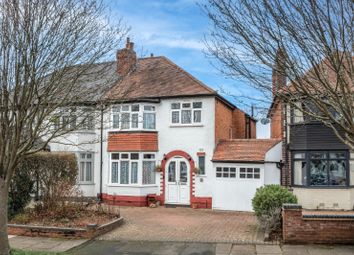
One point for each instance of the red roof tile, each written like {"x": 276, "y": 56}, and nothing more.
{"x": 243, "y": 149}
{"x": 157, "y": 77}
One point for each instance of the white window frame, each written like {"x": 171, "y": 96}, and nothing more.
{"x": 140, "y": 168}
{"x": 86, "y": 160}
{"x": 118, "y": 110}
{"x": 191, "y": 108}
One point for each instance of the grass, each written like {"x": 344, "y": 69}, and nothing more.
{"x": 20, "y": 252}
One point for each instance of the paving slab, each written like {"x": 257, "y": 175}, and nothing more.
{"x": 268, "y": 249}
{"x": 243, "y": 249}
{"x": 44, "y": 244}
{"x": 223, "y": 248}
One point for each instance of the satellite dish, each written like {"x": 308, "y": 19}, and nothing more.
{"x": 265, "y": 121}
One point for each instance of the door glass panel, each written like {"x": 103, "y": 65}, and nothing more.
{"x": 172, "y": 172}
{"x": 183, "y": 172}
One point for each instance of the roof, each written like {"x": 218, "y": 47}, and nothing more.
{"x": 157, "y": 77}
{"x": 243, "y": 150}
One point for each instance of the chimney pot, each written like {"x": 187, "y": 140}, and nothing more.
{"x": 151, "y": 55}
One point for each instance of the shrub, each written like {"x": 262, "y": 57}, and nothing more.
{"x": 57, "y": 175}
{"x": 20, "y": 189}
{"x": 267, "y": 204}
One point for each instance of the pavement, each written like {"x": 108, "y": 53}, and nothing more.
{"x": 185, "y": 225}
{"x": 101, "y": 247}
{"x": 44, "y": 244}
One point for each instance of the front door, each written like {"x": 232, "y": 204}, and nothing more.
{"x": 177, "y": 181}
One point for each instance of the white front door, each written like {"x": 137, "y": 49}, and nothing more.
{"x": 177, "y": 181}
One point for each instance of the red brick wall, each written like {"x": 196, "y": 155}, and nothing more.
{"x": 253, "y": 129}
{"x": 276, "y": 123}
{"x": 223, "y": 121}
{"x": 137, "y": 141}
{"x": 298, "y": 230}
{"x": 239, "y": 124}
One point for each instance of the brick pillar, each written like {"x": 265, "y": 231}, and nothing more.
{"x": 292, "y": 221}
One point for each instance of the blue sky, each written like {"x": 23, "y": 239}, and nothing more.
{"x": 175, "y": 29}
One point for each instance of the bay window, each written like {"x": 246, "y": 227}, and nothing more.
{"x": 320, "y": 168}
{"x": 134, "y": 117}
{"x": 132, "y": 168}
{"x": 186, "y": 113}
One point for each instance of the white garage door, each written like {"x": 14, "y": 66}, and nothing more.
{"x": 235, "y": 186}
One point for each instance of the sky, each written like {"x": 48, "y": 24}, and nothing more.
{"x": 176, "y": 29}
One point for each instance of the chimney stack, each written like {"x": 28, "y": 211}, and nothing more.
{"x": 126, "y": 59}
{"x": 279, "y": 72}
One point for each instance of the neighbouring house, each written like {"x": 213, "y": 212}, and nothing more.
{"x": 318, "y": 166}
{"x": 166, "y": 136}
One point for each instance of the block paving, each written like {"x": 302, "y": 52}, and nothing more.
{"x": 185, "y": 225}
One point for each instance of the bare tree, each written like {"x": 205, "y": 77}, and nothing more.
{"x": 40, "y": 42}
{"x": 307, "y": 45}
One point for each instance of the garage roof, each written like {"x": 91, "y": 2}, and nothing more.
{"x": 243, "y": 150}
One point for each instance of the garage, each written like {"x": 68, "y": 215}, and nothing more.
{"x": 242, "y": 166}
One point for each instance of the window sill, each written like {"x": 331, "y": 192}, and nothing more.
{"x": 132, "y": 185}
{"x": 185, "y": 125}
{"x": 86, "y": 183}
{"x": 132, "y": 130}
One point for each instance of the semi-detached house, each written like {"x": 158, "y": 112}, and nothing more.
{"x": 168, "y": 137}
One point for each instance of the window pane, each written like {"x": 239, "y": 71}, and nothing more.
{"x": 115, "y": 156}
{"x": 172, "y": 172}
{"x": 148, "y": 172}
{"x": 337, "y": 172}
{"x": 125, "y": 155}
{"x": 242, "y": 170}
{"x": 175, "y": 106}
{"x": 116, "y": 108}
{"x": 183, "y": 172}
{"x": 257, "y": 170}
{"x": 114, "y": 174}
{"x": 186, "y": 105}
{"x": 149, "y": 156}
{"x": 201, "y": 164}
{"x": 82, "y": 155}
{"x": 134, "y": 173}
{"x": 299, "y": 155}
{"x": 225, "y": 172}
{"x": 186, "y": 116}
{"x": 318, "y": 155}
{"x": 149, "y": 121}
{"x": 125, "y": 108}
{"x": 300, "y": 172}
{"x": 134, "y": 156}
{"x": 125, "y": 120}
{"x": 256, "y": 176}
{"x": 88, "y": 155}
{"x": 124, "y": 172}
{"x": 232, "y": 170}
{"x": 89, "y": 123}
{"x": 135, "y": 108}
{"x": 337, "y": 155}
{"x": 82, "y": 171}
{"x": 197, "y": 118}
{"x": 197, "y": 105}
{"x": 135, "y": 120}
{"x": 149, "y": 108}
{"x": 175, "y": 117}
{"x": 88, "y": 171}
{"x": 115, "y": 121}
{"x": 318, "y": 171}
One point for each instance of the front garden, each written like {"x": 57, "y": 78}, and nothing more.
{"x": 44, "y": 200}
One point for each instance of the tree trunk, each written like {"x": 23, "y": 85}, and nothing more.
{"x": 4, "y": 241}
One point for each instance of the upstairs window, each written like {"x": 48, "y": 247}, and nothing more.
{"x": 134, "y": 116}
{"x": 186, "y": 113}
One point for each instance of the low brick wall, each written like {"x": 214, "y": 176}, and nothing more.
{"x": 89, "y": 232}
{"x": 329, "y": 229}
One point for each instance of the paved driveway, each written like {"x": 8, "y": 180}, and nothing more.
{"x": 185, "y": 225}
